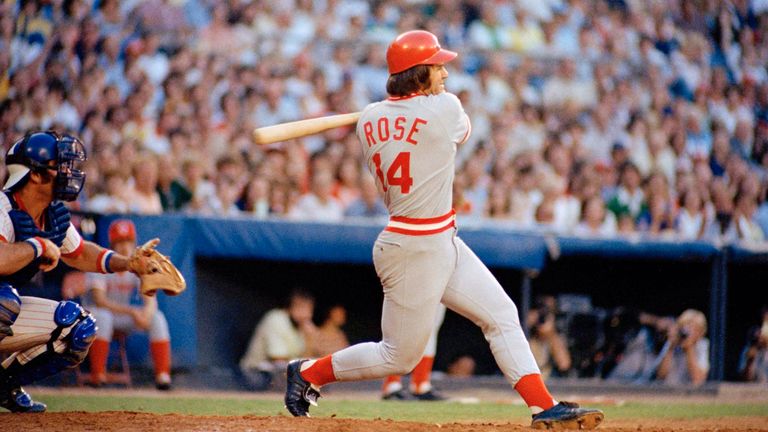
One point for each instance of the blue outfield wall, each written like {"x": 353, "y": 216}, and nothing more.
{"x": 184, "y": 238}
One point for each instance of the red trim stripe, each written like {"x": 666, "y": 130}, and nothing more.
{"x": 420, "y": 233}
{"x": 77, "y": 252}
{"x": 3, "y": 239}
{"x": 42, "y": 245}
{"x": 425, "y": 221}
{"x": 100, "y": 261}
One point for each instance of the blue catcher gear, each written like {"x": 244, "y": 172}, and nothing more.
{"x": 81, "y": 335}
{"x": 10, "y": 306}
{"x": 55, "y": 230}
{"x": 36, "y": 151}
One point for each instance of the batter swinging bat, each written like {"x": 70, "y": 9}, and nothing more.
{"x": 301, "y": 128}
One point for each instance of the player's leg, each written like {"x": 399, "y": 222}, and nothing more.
{"x": 476, "y": 294}
{"x": 413, "y": 272}
{"x": 421, "y": 377}
{"x": 48, "y": 336}
{"x": 421, "y": 385}
{"x": 160, "y": 348}
{"x": 99, "y": 352}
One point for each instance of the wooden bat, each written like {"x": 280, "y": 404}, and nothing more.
{"x": 301, "y": 128}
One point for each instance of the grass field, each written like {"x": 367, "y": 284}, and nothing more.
{"x": 410, "y": 411}
{"x": 75, "y": 410}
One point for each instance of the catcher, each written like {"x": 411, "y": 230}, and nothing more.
{"x": 111, "y": 299}
{"x": 42, "y": 337}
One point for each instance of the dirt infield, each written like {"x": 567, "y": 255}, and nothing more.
{"x": 135, "y": 421}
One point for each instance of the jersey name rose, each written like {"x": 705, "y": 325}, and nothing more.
{"x": 397, "y": 129}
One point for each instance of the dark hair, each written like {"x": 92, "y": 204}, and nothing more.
{"x": 299, "y": 293}
{"x": 409, "y": 81}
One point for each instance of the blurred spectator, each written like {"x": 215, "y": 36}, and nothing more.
{"x": 462, "y": 367}
{"x": 595, "y": 220}
{"x": 629, "y": 197}
{"x": 280, "y": 336}
{"x": 369, "y": 204}
{"x": 346, "y": 188}
{"x": 692, "y": 220}
{"x": 753, "y": 363}
{"x": 318, "y": 204}
{"x": 173, "y": 195}
{"x": 744, "y": 216}
{"x": 193, "y": 179}
{"x": 684, "y": 359}
{"x": 633, "y": 343}
{"x": 113, "y": 199}
{"x": 548, "y": 346}
{"x": 257, "y": 197}
{"x": 143, "y": 198}
{"x": 329, "y": 336}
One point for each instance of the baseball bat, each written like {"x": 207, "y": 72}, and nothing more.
{"x": 302, "y": 128}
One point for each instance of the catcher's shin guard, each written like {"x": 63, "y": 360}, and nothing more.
{"x": 10, "y": 306}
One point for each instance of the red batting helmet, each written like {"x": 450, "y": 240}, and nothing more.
{"x": 122, "y": 230}
{"x": 416, "y": 47}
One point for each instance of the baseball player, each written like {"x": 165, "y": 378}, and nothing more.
{"x": 42, "y": 337}
{"x": 109, "y": 301}
{"x": 409, "y": 142}
{"x": 421, "y": 375}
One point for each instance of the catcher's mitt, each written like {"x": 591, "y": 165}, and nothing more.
{"x": 156, "y": 271}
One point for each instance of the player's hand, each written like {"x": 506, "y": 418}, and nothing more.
{"x": 50, "y": 257}
{"x": 140, "y": 319}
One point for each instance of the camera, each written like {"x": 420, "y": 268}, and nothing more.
{"x": 683, "y": 333}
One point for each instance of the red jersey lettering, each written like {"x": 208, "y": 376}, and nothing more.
{"x": 368, "y": 129}
{"x": 399, "y": 128}
{"x": 383, "y": 125}
{"x": 414, "y": 129}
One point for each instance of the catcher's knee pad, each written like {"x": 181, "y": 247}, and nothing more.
{"x": 10, "y": 306}
{"x": 82, "y": 332}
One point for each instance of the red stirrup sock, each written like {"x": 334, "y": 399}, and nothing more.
{"x": 534, "y": 392}
{"x": 420, "y": 377}
{"x": 99, "y": 354}
{"x": 320, "y": 372}
{"x": 161, "y": 356}
{"x": 392, "y": 384}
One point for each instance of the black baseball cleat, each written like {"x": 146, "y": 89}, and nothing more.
{"x": 567, "y": 415}
{"x": 299, "y": 394}
{"x": 429, "y": 396}
{"x": 399, "y": 395}
{"x": 18, "y": 401}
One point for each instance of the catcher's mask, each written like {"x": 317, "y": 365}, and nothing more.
{"x": 35, "y": 152}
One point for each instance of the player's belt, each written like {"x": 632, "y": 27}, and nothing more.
{"x": 419, "y": 226}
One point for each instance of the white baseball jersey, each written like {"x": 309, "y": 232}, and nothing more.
{"x": 410, "y": 146}
{"x": 119, "y": 287}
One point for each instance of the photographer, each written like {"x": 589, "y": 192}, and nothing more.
{"x": 548, "y": 346}
{"x": 684, "y": 359}
{"x": 753, "y": 364}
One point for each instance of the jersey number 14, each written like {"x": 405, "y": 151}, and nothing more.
{"x": 398, "y": 174}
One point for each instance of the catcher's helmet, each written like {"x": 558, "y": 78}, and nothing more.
{"x": 416, "y": 47}
{"x": 35, "y": 152}
{"x": 122, "y": 230}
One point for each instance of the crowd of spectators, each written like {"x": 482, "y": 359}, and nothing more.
{"x": 596, "y": 118}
